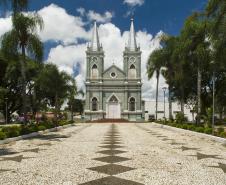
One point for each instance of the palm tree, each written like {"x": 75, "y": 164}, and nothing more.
{"x": 22, "y": 40}
{"x": 154, "y": 65}
{"x": 169, "y": 44}
{"x": 194, "y": 34}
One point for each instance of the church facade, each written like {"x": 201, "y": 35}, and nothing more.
{"x": 113, "y": 93}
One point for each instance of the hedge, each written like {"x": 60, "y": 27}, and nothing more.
{"x": 188, "y": 126}
{"x": 14, "y": 131}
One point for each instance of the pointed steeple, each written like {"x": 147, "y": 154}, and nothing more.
{"x": 95, "y": 43}
{"x": 132, "y": 44}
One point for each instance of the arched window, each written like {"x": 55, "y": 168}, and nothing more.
{"x": 94, "y": 72}
{"x": 94, "y": 104}
{"x": 132, "y": 104}
{"x": 132, "y": 72}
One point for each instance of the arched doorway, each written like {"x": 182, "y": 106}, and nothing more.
{"x": 113, "y": 108}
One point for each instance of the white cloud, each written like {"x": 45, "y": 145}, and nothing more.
{"x": 81, "y": 11}
{"x": 134, "y": 2}
{"x": 93, "y": 16}
{"x": 5, "y": 25}
{"x": 60, "y": 26}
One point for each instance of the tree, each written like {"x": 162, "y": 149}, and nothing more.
{"x": 75, "y": 105}
{"x": 196, "y": 48}
{"x": 54, "y": 87}
{"x": 154, "y": 66}
{"x": 22, "y": 40}
{"x": 10, "y": 84}
{"x": 168, "y": 43}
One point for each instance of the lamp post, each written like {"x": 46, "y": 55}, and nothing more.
{"x": 164, "y": 91}
{"x": 6, "y": 110}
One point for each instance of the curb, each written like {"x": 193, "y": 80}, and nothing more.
{"x": 34, "y": 134}
{"x": 214, "y": 138}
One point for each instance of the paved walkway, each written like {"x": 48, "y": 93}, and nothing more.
{"x": 114, "y": 154}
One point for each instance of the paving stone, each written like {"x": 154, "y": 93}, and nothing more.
{"x": 205, "y": 156}
{"x": 111, "y": 159}
{"x": 111, "y": 181}
{"x": 111, "y": 169}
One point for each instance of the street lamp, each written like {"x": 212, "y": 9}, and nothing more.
{"x": 6, "y": 110}
{"x": 164, "y": 91}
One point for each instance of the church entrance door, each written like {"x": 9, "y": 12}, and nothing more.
{"x": 113, "y": 108}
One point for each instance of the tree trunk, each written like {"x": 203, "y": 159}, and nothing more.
{"x": 56, "y": 109}
{"x": 182, "y": 99}
{"x": 157, "y": 94}
{"x": 72, "y": 117}
{"x": 199, "y": 95}
{"x": 23, "y": 74}
{"x": 170, "y": 105}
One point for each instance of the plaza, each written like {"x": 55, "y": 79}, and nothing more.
{"x": 112, "y": 154}
{"x": 120, "y": 92}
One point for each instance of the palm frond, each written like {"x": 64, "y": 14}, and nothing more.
{"x": 10, "y": 44}
{"x": 35, "y": 47}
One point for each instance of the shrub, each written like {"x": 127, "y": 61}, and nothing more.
{"x": 222, "y": 134}
{"x": 41, "y": 127}
{"x": 191, "y": 127}
{"x": 25, "y": 130}
{"x": 12, "y": 131}
{"x": 70, "y": 122}
{"x": 208, "y": 130}
{"x": 178, "y": 125}
{"x": 2, "y": 135}
{"x": 199, "y": 129}
{"x": 220, "y": 129}
{"x": 64, "y": 122}
{"x": 185, "y": 126}
{"x": 173, "y": 124}
{"x": 47, "y": 124}
{"x": 180, "y": 118}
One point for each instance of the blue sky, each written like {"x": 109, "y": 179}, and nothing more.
{"x": 68, "y": 27}
{"x": 153, "y": 15}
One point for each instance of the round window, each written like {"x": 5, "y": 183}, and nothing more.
{"x": 113, "y": 75}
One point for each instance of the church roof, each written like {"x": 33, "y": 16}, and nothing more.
{"x": 132, "y": 44}
{"x": 95, "y": 43}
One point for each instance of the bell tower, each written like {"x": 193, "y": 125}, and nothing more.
{"x": 94, "y": 58}
{"x": 132, "y": 56}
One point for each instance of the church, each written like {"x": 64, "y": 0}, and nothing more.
{"x": 113, "y": 93}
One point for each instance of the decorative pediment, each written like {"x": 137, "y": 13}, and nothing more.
{"x": 113, "y": 72}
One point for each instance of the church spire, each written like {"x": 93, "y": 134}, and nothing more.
{"x": 132, "y": 44}
{"x": 95, "y": 43}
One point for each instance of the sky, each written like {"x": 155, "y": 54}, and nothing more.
{"x": 68, "y": 27}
